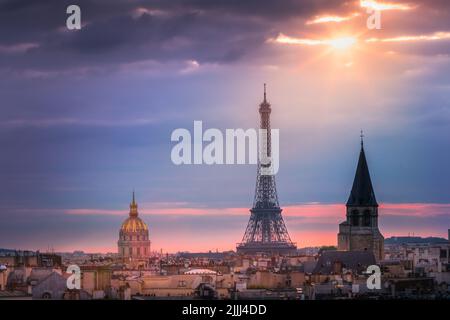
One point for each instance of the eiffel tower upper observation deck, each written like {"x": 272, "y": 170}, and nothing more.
{"x": 266, "y": 232}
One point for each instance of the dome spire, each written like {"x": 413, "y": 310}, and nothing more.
{"x": 133, "y": 207}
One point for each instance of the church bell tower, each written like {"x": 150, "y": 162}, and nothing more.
{"x": 360, "y": 230}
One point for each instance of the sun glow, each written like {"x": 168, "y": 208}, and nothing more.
{"x": 342, "y": 43}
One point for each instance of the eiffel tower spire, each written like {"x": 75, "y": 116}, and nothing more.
{"x": 266, "y": 190}
{"x": 266, "y": 231}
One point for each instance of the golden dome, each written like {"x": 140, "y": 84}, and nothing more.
{"x": 133, "y": 223}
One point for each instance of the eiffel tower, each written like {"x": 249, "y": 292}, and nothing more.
{"x": 266, "y": 232}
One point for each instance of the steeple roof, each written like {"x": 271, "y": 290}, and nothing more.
{"x": 362, "y": 193}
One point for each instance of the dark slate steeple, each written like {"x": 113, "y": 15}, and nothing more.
{"x": 362, "y": 193}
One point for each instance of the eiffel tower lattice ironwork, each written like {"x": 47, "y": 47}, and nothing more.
{"x": 266, "y": 232}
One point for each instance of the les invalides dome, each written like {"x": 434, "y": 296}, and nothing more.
{"x": 133, "y": 241}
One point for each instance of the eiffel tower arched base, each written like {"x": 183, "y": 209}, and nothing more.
{"x": 267, "y": 248}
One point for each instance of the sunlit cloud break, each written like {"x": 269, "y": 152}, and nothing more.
{"x": 411, "y": 38}
{"x": 345, "y": 42}
{"x": 381, "y": 6}
{"x": 339, "y": 43}
{"x": 331, "y": 18}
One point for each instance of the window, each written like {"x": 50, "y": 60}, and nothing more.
{"x": 355, "y": 218}
{"x": 366, "y": 220}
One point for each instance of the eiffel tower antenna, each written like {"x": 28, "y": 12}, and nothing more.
{"x": 266, "y": 232}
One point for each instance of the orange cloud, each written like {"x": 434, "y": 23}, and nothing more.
{"x": 429, "y": 37}
{"x": 415, "y": 209}
{"x": 348, "y": 41}
{"x": 381, "y": 6}
{"x": 331, "y": 18}
{"x": 340, "y": 43}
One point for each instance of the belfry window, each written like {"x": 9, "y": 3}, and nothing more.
{"x": 366, "y": 219}
{"x": 355, "y": 218}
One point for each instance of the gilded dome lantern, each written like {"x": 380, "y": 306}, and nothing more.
{"x": 133, "y": 241}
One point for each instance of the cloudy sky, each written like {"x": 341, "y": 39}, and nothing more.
{"x": 86, "y": 116}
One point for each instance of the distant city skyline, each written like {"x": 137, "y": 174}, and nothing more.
{"x": 86, "y": 117}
